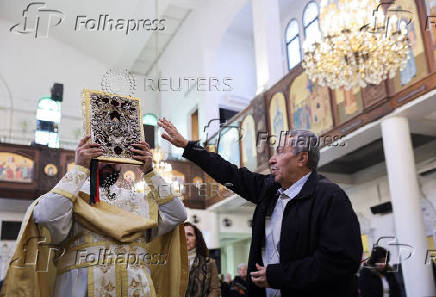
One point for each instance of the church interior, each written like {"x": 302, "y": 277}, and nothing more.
{"x": 233, "y": 75}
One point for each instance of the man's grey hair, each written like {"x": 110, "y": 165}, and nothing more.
{"x": 305, "y": 141}
{"x": 242, "y": 265}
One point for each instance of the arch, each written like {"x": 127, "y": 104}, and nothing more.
{"x": 293, "y": 46}
{"x": 311, "y": 24}
{"x": 150, "y": 119}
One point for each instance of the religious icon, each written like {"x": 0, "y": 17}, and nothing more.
{"x": 249, "y": 153}
{"x": 301, "y": 90}
{"x": 115, "y": 122}
{"x": 310, "y": 105}
{"x": 416, "y": 64}
{"x": 431, "y": 13}
{"x": 409, "y": 72}
{"x": 50, "y": 170}
{"x": 278, "y": 117}
{"x": 350, "y": 101}
{"x": 15, "y": 168}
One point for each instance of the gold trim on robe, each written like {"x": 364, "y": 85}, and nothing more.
{"x": 29, "y": 275}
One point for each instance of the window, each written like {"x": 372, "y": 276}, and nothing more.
{"x": 312, "y": 31}
{"x": 293, "y": 47}
{"x": 48, "y": 116}
{"x": 149, "y": 120}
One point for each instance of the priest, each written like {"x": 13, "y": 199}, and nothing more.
{"x": 128, "y": 243}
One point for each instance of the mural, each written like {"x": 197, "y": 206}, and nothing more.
{"x": 15, "y": 168}
{"x": 431, "y": 11}
{"x": 348, "y": 103}
{"x": 278, "y": 116}
{"x": 249, "y": 152}
{"x": 310, "y": 105}
{"x": 416, "y": 67}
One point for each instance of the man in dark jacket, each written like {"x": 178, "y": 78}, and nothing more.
{"x": 376, "y": 277}
{"x": 305, "y": 235}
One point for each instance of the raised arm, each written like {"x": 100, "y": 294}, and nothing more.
{"x": 54, "y": 209}
{"x": 242, "y": 181}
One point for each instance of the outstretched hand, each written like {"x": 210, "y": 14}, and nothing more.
{"x": 171, "y": 133}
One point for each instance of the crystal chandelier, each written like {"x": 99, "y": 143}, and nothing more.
{"x": 163, "y": 168}
{"x": 361, "y": 45}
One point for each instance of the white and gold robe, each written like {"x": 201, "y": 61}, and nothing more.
{"x": 97, "y": 265}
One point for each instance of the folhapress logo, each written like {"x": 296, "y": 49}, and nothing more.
{"x": 37, "y": 19}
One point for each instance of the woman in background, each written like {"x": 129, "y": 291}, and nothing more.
{"x": 203, "y": 274}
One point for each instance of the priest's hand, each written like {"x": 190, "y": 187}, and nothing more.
{"x": 143, "y": 154}
{"x": 86, "y": 151}
{"x": 171, "y": 134}
{"x": 259, "y": 277}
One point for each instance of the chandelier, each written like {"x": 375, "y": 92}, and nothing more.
{"x": 163, "y": 168}
{"x": 361, "y": 45}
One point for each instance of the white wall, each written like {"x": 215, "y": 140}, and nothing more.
{"x": 209, "y": 226}
{"x": 193, "y": 53}
{"x": 235, "y": 59}
{"x": 370, "y": 187}
{"x": 30, "y": 66}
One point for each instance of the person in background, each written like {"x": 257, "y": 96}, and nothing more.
{"x": 240, "y": 284}
{"x": 203, "y": 274}
{"x": 376, "y": 276}
{"x": 226, "y": 282}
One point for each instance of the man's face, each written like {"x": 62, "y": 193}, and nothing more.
{"x": 243, "y": 271}
{"x": 284, "y": 165}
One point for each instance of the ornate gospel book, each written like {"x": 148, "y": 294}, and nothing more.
{"x": 115, "y": 122}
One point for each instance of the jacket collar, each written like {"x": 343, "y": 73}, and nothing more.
{"x": 306, "y": 191}
{"x": 309, "y": 186}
